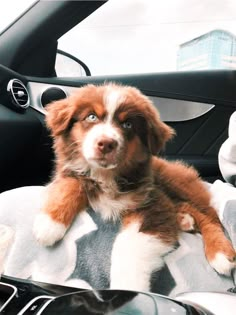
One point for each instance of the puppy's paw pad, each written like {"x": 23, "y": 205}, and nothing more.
{"x": 47, "y": 231}
{"x": 186, "y": 222}
{"x": 223, "y": 264}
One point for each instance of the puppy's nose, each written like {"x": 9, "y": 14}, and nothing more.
{"x": 106, "y": 145}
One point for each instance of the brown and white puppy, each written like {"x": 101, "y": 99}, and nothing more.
{"x": 106, "y": 139}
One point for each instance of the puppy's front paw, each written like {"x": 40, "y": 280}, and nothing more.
{"x": 48, "y": 231}
{"x": 223, "y": 264}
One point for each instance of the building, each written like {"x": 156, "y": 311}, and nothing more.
{"x": 213, "y": 50}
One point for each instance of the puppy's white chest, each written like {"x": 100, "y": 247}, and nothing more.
{"x": 111, "y": 208}
{"x": 104, "y": 196}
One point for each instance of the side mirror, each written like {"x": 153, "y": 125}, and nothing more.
{"x": 69, "y": 66}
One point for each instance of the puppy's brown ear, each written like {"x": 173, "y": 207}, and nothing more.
{"x": 59, "y": 115}
{"x": 159, "y": 132}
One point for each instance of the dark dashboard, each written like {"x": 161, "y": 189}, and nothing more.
{"x": 25, "y": 144}
{"x": 19, "y": 296}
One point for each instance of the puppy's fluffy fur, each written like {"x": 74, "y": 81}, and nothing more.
{"x": 106, "y": 139}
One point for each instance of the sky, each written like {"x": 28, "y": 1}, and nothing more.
{"x": 138, "y": 35}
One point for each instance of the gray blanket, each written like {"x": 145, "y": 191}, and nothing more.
{"x": 82, "y": 258}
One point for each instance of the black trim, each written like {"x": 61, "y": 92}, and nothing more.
{"x": 216, "y": 87}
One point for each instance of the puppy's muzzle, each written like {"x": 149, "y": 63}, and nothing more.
{"x": 106, "y": 145}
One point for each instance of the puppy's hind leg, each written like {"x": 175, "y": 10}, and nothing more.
{"x": 218, "y": 249}
{"x": 65, "y": 198}
{"x": 135, "y": 255}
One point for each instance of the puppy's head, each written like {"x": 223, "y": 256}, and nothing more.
{"x": 106, "y": 127}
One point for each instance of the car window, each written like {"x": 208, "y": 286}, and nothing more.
{"x": 146, "y": 36}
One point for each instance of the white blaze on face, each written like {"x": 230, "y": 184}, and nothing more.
{"x": 112, "y": 99}
{"x": 92, "y": 137}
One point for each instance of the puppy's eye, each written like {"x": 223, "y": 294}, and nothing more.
{"x": 91, "y": 118}
{"x": 127, "y": 124}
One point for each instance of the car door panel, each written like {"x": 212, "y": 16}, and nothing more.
{"x": 200, "y": 136}
{"x": 25, "y": 146}
{"x": 213, "y": 87}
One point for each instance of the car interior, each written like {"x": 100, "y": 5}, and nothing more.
{"x": 29, "y": 81}
{"x": 29, "y": 56}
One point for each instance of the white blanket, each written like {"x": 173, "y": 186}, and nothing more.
{"x": 82, "y": 258}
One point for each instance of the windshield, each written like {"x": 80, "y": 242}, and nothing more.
{"x": 11, "y": 9}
